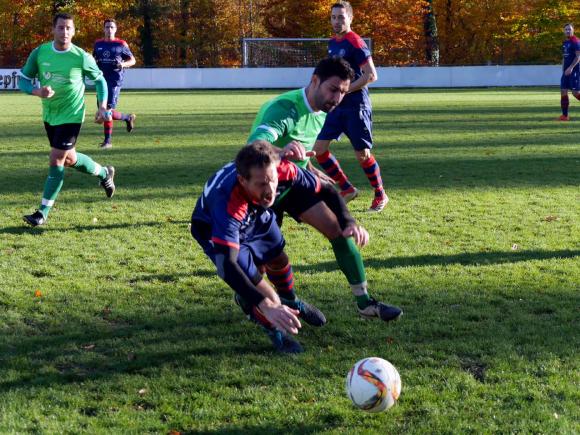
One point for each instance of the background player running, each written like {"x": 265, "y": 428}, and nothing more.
{"x": 61, "y": 68}
{"x": 353, "y": 116}
{"x": 570, "y": 70}
{"x": 113, "y": 56}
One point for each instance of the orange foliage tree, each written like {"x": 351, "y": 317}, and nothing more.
{"x": 203, "y": 33}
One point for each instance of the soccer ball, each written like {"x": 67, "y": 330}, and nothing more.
{"x": 373, "y": 384}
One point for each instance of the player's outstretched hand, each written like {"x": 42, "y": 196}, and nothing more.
{"x": 282, "y": 317}
{"x": 358, "y": 233}
{"x": 295, "y": 151}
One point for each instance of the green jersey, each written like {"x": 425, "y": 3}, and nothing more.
{"x": 286, "y": 118}
{"x": 64, "y": 72}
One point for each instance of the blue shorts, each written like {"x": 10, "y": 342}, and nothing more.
{"x": 356, "y": 123}
{"x": 113, "y": 95}
{"x": 258, "y": 248}
{"x": 572, "y": 81}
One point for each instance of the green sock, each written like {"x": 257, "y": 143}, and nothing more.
{"x": 88, "y": 166}
{"x": 52, "y": 186}
{"x": 350, "y": 263}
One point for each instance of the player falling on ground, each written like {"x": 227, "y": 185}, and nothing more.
{"x": 113, "y": 56}
{"x": 233, "y": 224}
{"x": 570, "y": 80}
{"x": 61, "y": 67}
{"x": 353, "y": 116}
{"x": 292, "y": 121}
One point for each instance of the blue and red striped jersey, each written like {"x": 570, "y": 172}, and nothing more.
{"x": 569, "y": 48}
{"x": 108, "y": 55}
{"x": 354, "y": 50}
{"x": 231, "y": 214}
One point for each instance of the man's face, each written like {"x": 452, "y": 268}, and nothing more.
{"x": 340, "y": 21}
{"x": 568, "y": 31}
{"x": 63, "y": 32}
{"x": 110, "y": 30}
{"x": 262, "y": 184}
{"x": 329, "y": 93}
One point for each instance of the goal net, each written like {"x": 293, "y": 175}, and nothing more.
{"x": 285, "y": 52}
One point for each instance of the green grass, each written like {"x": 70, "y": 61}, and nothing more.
{"x": 134, "y": 333}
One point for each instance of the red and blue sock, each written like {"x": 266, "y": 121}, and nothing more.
{"x": 373, "y": 173}
{"x": 565, "y": 103}
{"x": 332, "y": 168}
{"x": 283, "y": 280}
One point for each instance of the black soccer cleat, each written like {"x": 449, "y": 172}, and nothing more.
{"x": 310, "y": 314}
{"x": 382, "y": 311}
{"x": 108, "y": 184}
{"x": 35, "y": 219}
{"x": 284, "y": 343}
{"x": 131, "y": 122}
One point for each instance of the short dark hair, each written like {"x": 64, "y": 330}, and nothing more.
{"x": 110, "y": 20}
{"x": 256, "y": 154}
{"x": 568, "y": 24}
{"x": 333, "y": 66}
{"x": 343, "y": 4}
{"x": 61, "y": 16}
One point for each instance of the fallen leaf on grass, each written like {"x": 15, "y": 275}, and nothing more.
{"x": 142, "y": 391}
{"x": 390, "y": 340}
{"x": 88, "y": 346}
{"x": 550, "y": 218}
{"x": 515, "y": 247}
{"x": 173, "y": 432}
{"x": 37, "y": 294}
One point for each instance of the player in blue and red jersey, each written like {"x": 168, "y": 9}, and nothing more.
{"x": 113, "y": 56}
{"x": 237, "y": 230}
{"x": 353, "y": 116}
{"x": 570, "y": 70}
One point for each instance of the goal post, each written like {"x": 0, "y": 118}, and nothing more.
{"x": 285, "y": 52}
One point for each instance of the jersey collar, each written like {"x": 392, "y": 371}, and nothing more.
{"x": 307, "y": 104}
{"x": 60, "y": 51}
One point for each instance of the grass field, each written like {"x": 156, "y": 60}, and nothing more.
{"x": 112, "y": 320}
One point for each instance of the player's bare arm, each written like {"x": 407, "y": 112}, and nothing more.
{"x": 369, "y": 75}
{"x": 573, "y": 65}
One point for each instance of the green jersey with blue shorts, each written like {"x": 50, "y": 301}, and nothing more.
{"x": 64, "y": 72}
{"x": 286, "y": 118}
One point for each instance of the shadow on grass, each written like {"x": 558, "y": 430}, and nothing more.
{"x": 106, "y": 346}
{"x": 166, "y": 169}
{"x": 467, "y": 259}
{"x": 26, "y": 229}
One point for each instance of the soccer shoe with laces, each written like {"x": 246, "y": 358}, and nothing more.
{"x": 379, "y": 203}
{"x": 35, "y": 219}
{"x": 382, "y": 311}
{"x": 349, "y": 195}
{"x": 131, "y": 122}
{"x": 105, "y": 145}
{"x": 108, "y": 183}
{"x": 564, "y": 118}
{"x": 309, "y": 313}
{"x": 284, "y": 343}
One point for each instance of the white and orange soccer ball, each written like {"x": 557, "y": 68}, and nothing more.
{"x": 373, "y": 384}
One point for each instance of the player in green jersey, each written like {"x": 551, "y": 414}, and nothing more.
{"x": 292, "y": 122}
{"x": 61, "y": 67}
